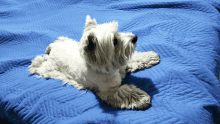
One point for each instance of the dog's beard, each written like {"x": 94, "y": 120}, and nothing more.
{"x": 126, "y": 52}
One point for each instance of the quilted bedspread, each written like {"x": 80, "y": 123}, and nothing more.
{"x": 184, "y": 86}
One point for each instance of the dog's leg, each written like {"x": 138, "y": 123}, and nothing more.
{"x": 125, "y": 96}
{"x": 122, "y": 72}
{"x": 37, "y": 63}
{"x": 142, "y": 60}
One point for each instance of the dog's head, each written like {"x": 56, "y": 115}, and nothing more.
{"x": 104, "y": 48}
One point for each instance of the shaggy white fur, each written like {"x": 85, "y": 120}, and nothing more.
{"x": 98, "y": 62}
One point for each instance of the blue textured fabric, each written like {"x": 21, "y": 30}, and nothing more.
{"x": 184, "y": 86}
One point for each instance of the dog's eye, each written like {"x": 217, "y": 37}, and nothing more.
{"x": 115, "y": 41}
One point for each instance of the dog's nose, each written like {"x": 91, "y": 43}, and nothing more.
{"x": 134, "y": 39}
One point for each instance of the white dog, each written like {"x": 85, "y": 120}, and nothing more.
{"x": 98, "y": 62}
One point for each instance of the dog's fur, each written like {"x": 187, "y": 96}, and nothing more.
{"x": 98, "y": 62}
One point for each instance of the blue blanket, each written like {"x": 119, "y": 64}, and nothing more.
{"x": 184, "y": 86}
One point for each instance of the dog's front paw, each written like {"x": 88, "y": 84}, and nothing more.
{"x": 132, "y": 97}
{"x": 142, "y": 60}
{"x": 126, "y": 96}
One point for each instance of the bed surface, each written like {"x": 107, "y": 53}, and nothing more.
{"x": 184, "y": 86}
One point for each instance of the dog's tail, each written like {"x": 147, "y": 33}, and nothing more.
{"x": 48, "y": 49}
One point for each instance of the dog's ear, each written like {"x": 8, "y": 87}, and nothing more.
{"x": 90, "y": 22}
{"x": 92, "y": 42}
